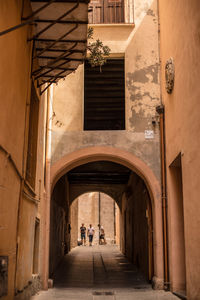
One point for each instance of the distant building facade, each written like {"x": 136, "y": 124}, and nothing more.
{"x": 95, "y": 208}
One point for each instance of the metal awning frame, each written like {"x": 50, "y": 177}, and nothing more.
{"x": 31, "y": 20}
{"x": 61, "y": 57}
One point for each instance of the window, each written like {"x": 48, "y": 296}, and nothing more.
{"x": 106, "y": 11}
{"x": 32, "y": 138}
{"x": 104, "y": 96}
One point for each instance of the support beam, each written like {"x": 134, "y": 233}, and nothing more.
{"x": 63, "y": 58}
{"x": 60, "y": 50}
{"x": 61, "y": 41}
{"x": 61, "y": 21}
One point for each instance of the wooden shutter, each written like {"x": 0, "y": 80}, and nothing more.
{"x": 96, "y": 14}
{"x": 106, "y": 11}
{"x": 113, "y": 11}
{"x": 104, "y": 96}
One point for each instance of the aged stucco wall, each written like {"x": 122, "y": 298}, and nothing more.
{"x": 182, "y": 136}
{"x": 74, "y": 223}
{"x": 29, "y": 211}
{"x": 141, "y": 137}
{"x": 115, "y": 36}
{"x": 142, "y": 75}
{"x": 14, "y": 91}
{"x": 67, "y": 105}
{"x": 18, "y": 211}
{"x": 146, "y": 149}
{"x": 59, "y": 228}
{"x": 136, "y": 226}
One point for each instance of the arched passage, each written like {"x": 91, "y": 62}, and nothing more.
{"x": 98, "y": 209}
{"x": 128, "y": 160}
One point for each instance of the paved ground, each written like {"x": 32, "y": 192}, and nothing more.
{"x": 98, "y": 273}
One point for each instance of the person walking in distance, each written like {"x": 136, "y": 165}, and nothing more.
{"x": 102, "y": 236}
{"x": 83, "y": 232}
{"x": 90, "y": 233}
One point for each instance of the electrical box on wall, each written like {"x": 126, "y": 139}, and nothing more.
{"x": 3, "y": 275}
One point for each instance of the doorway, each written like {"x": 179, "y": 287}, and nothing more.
{"x": 178, "y": 266}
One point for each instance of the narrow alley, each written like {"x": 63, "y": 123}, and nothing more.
{"x": 98, "y": 273}
{"x": 99, "y": 137}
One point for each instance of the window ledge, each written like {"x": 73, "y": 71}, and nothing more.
{"x": 131, "y": 25}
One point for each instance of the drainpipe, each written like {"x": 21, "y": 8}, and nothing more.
{"x": 99, "y": 215}
{"x": 114, "y": 211}
{"x": 160, "y": 110}
{"x": 46, "y": 210}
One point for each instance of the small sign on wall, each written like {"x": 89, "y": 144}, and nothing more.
{"x": 149, "y": 134}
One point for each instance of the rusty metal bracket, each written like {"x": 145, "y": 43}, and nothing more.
{"x": 56, "y": 60}
{"x": 50, "y": 82}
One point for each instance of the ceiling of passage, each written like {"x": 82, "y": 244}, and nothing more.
{"x": 103, "y": 176}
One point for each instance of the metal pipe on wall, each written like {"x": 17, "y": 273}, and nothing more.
{"x": 46, "y": 209}
{"x": 160, "y": 111}
{"x": 99, "y": 214}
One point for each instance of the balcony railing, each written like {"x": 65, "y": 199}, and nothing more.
{"x": 110, "y": 11}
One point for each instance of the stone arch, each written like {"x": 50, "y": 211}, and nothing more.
{"x": 91, "y": 154}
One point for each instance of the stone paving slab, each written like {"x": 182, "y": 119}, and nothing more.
{"x": 88, "y": 295}
{"x": 100, "y": 273}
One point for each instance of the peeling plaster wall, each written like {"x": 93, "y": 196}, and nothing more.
{"x": 140, "y": 48}
{"x": 141, "y": 7}
{"x": 142, "y": 74}
{"x": 145, "y": 149}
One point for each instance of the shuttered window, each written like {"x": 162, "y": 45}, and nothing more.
{"x": 106, "y": 11}
{"x": 104, "y": 96}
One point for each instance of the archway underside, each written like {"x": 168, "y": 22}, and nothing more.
{"x": 102, "y": 176}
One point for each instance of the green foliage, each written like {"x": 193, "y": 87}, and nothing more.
{"x": 97, "y": 51}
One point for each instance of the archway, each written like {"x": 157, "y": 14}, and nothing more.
{"x": 136, "y": 165}
{"x": 98, "y": 209}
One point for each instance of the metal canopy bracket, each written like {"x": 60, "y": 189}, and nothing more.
{"x": 60, "y": 39}
{"x": 54, "y": 56}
